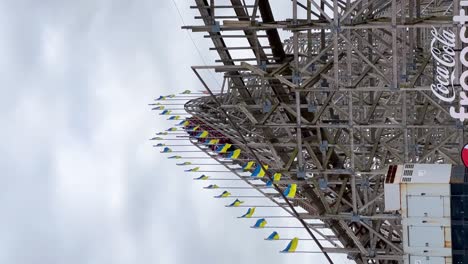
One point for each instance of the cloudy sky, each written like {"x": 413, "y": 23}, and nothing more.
{"x": 81, "y": 183}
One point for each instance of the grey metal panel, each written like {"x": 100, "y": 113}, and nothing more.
{"x": 392, "y": 197}
{"x": 426, "y": 173}
{"x": 426, "y": 260}
{"x": 425, "y": 206}
{"x": 426, "y": 236}
{"x": 428, "y": 189}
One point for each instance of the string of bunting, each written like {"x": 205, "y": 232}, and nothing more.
{"x": 219, "y": 145}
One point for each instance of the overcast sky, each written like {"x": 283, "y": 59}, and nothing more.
{"x": 81, "y": 182}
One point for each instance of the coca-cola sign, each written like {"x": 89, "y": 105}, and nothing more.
{"x": 443, "y": 53}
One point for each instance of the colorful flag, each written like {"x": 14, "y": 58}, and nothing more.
{"x": 248, "y": 166}
{"x": 203, "y": 134}
{"x": 259, "y": 172}
{"x": 162, "y": 134}
{"x": 223, "y": 148}
{"x": 224, "y": 194}
{"x": 291, "y": 247}
{"x": 157, "y": 138}
{"x": 234, "y": 154}
{"x": 186, "y": 92}
{"x": 276, "y": 177}
{"x": 213, "y": 142}
{"x": 193, "y": 170}
{"x": 195, "y": 128}
{"x": 249, "y": 213}
{"x": 166, "y": 150}
{"x": 212, "y": 186}
{"x": 161, "y": 98}
{"x": 290, "y": 192}
{"x": 236, "y": 203}
{"x": 166, "y": 112}
{"x": 184, "y": 123}
{"x": 172, "y": 129}
{"x": 171, "y": 96}
{"x": 160, "y": 145}
{"x": 174, "y": 118}
{"x": 184, "y": 163}
{"x": 161, "y": 107}
{"x": 175, "y": 157}
{"x": 273, "y": 236}
{"x": 203, "y": 177}
{"x": 261, "y": 223}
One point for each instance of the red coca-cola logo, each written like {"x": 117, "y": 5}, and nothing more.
{"x": 464, "y": 155}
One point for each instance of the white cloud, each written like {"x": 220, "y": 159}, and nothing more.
{"x": 53, "y": 48}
